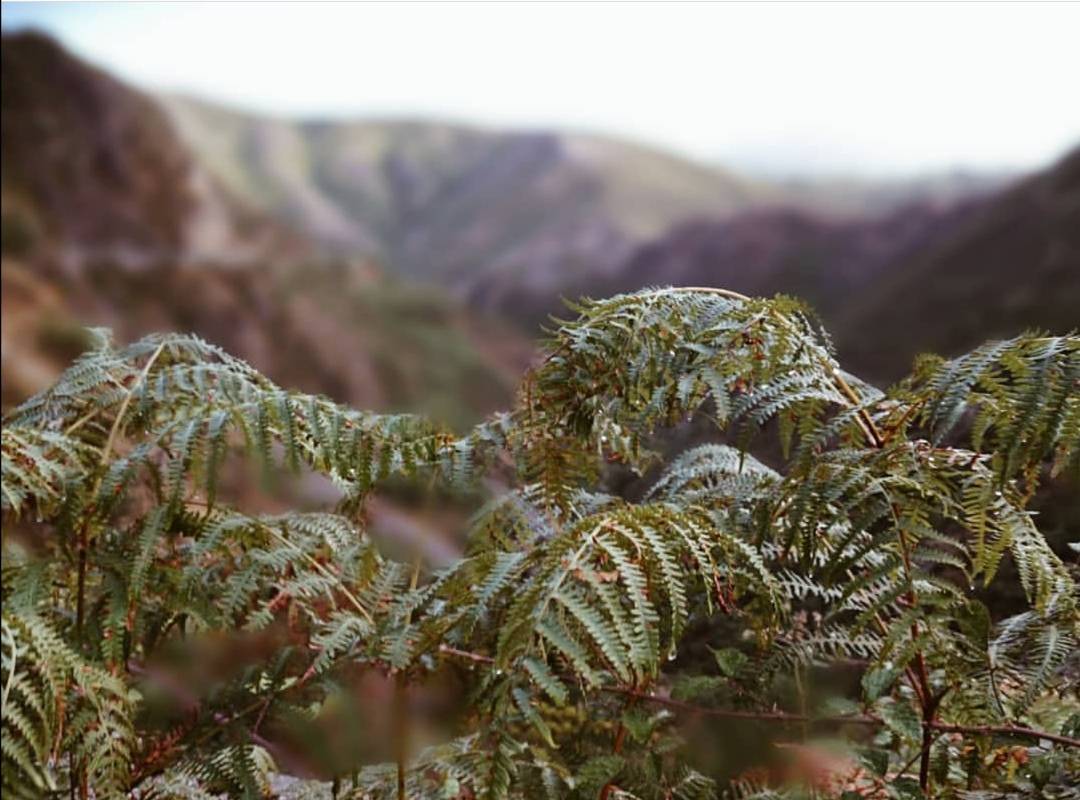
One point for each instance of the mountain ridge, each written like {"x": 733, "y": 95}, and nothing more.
{"x": 510, "y": 221}
{"x": 920, "y": 279}
{"x": 104, "y": 213}
{"x": 96, "y": 166}
{"x": 456, "y": 204}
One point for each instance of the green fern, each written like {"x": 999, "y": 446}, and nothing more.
{"x": 861, "y": 540}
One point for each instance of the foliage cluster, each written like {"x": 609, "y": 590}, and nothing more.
{"x": 856, "y": 548}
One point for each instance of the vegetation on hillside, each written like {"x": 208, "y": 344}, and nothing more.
{"x": 160, "y": 641}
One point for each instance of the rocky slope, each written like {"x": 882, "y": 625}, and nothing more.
{"x": 923, "y": 278}
{"x": 94, "y": 172}
{"x": 109, "y": 220}
{"x": 484, "y": 212}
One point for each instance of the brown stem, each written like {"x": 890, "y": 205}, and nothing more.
{"x": 617, "y": 748}
{"x": 151, "y": 768}
{"x": 929, "y": 703}
{"x": 80, "y": 599}
{"x": 866, "y": 422}
{"x": 401, "y": 732}
{"x": 924, "y": 759}
{"x": 401, "y": 706}
{"x": 1006, "y": 730}
{"x": 786, "y": 717}
{"x": 903, "y": 770}
{"x": 725, "y": 713}
{"x": 863, "y": 719}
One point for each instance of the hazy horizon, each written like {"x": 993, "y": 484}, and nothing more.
{"x": 708, "y": 82}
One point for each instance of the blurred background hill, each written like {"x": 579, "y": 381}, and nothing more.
{"x": 429, "y": 253}
{"x": 109, "y": 218}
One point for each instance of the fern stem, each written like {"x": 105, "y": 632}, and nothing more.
{"x": 80, "y": 596}
{"x": 84, "y": 531}
{"x": 787, "y": 717}
{"x": 322, "y": 570}
{"x": 115, "y": 430}
{"x": 929, "y": 702}
{"x": 401, "y": 733}
{"x": 863, "y": 719}
{"x": 1007, "y": 730}
{"x": 924, "y": 759}
{"x": 401, "y": 706}
{"x": 617, "y": 748}
{"x": 866, "y": 422}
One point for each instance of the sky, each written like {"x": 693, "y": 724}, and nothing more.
{"x": 782, "y": 88}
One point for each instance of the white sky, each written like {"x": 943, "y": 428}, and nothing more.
{"x": 781, "y": 87}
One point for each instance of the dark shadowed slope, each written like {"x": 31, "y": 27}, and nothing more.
{"x": 108, "y": 220}
{"x": 93, "y": 171}
{"x": 1011, "y": 262}
{"x": 923, "y": 278}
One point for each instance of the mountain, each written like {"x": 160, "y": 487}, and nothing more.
{"x": 510, "y": 221}
{"x": 922, "y": 278}
{"x": 485, "y": 212}
{"x": 1008, "y": 262}
{"x": 102, "y": 183}
{"x": 108, "y": 219}
{"x": 93, "y": 171}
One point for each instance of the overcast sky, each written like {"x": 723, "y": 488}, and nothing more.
{"x": 789, "y": 88}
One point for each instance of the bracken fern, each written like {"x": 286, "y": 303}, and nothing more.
{"x": 862, "y": 541}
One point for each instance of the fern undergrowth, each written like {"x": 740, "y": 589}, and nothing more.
{"x": 830, "y": 549}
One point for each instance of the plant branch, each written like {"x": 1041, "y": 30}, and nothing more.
{"x": 322, "y": 570}
{"x": 791, "y": 718}
{"x": 84, "y": 530}
{"x": 866, "y": 422}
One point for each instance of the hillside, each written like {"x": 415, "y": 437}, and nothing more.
{"x": 484, "y": 212}
{"x": 512, "y": 221}
{"x": 97, "y": 174}
{"x": 1008, "y": 263}
{"x": 109, "y": 220}
{"x": 922, "y": 278}
{"x": 93, "y": 171}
